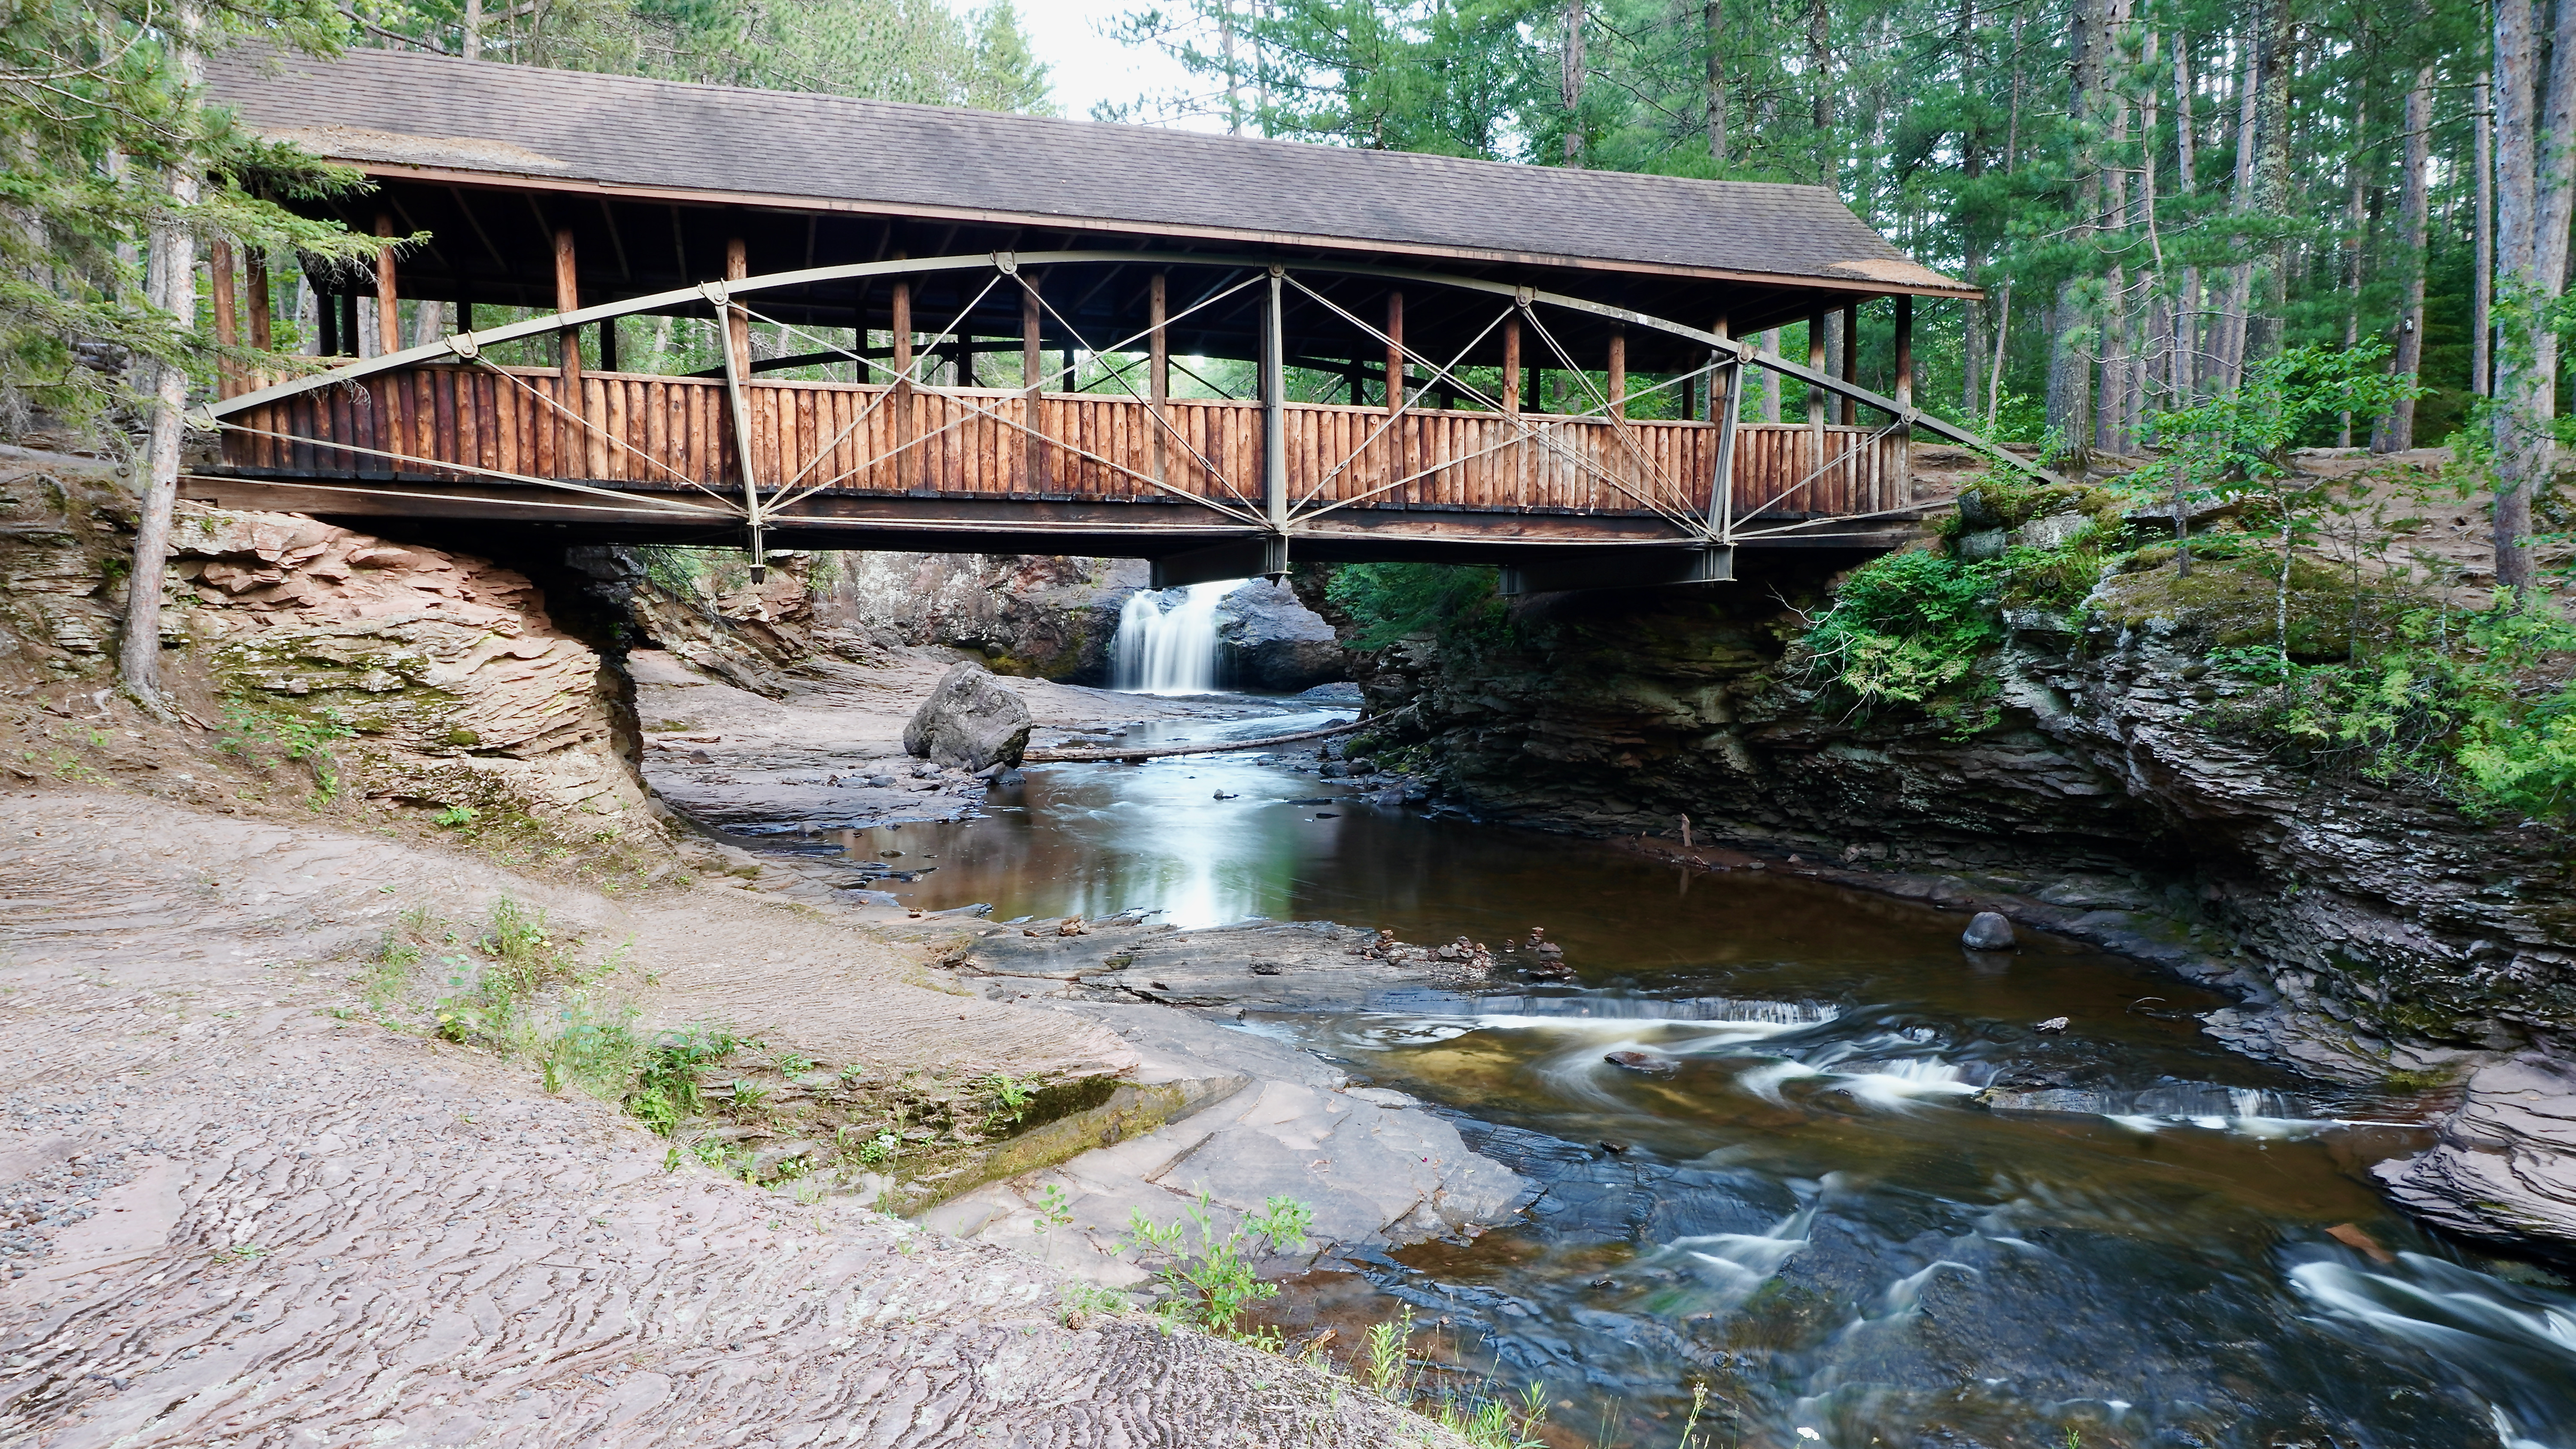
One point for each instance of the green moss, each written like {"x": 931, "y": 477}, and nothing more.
{"x": 463, "y": 739}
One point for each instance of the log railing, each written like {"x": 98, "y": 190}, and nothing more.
{"x": 654, "y": 432}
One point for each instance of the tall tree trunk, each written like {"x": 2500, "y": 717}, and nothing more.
{"x": 2396, "y": 432}
{"x": 1771, "y": 380}
{"x": 2482, "y": 240}
{"x": 2272, "y": 61}
{"x": 2535, "y": 164}
{"x": 2070, "y": 373}
{"x": 1712, "y": 32}
{"x": 1820, "y": 55}
{"x": 2239, "y": 298}
{"x": 172, "y": 286}
{"x": 1571, "y": 82}
{"x": 2182, "y": 381}
{"x": 2356, "y": 228}
{"x": 1972, "y": 165}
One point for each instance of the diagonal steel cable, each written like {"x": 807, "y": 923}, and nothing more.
{"x": 1152, "y": 407}
{"x": 1620, "y": 427}
{"x": 1849, "y": 452}
{"x": 665, "y": 505}
{"x": 585, "y": 422}
{"x": 1526, "y": 431}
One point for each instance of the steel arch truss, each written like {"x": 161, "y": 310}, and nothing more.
{"x": 1253, "y": 511}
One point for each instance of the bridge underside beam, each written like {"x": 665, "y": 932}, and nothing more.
{"x": 1190, "y": 540}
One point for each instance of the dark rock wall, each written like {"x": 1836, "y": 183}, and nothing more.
{"x": 1026, "y": 614}
{"x": 2373, "y": 932}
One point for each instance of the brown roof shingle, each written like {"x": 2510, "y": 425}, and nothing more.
{"x": 388, "y": 108}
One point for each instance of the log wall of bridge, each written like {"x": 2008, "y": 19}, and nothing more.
{"x": 655, "y": 432}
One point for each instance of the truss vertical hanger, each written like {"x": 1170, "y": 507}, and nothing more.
{"x": 736, "y": 330}
{"x": 1274, "y": 429}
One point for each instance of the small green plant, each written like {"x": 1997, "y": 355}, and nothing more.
{"x": 1211, "y": 1282}
{"x": 251, "y": 725}
{"x": 789, "y": 1064}
{"x": 455, "y": 817}
{"x": 750, "y": 1099}
{"x": 1054, "y": 1210}
{"x": 1011, "y": 1097}
{"x": 666, "y": 1087}
{"x": 1081, "y": 1303}
{"x": 880, "y": 1149}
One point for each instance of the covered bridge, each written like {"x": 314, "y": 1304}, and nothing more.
{"x": 930, "y": 328}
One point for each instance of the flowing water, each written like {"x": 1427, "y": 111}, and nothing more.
{"x": 1166, "y": 640}
{"x": 1808, "y": 1208}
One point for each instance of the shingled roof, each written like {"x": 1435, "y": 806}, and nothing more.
{"x": 391, "y": 111}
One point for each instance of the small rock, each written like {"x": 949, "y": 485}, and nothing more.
{"x": 1608, "y": 1146}
{"x": 1653, "y": 1064}
{"x": 2353, "y": 1236}
{"x": 1225, "y": 794}
{"x": 2053, "y": 1024}
{"x": 1266, "y": 968}
{"x": 1989, "y": 931}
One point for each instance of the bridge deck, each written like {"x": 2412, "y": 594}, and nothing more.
{"x": 648, "y": 434}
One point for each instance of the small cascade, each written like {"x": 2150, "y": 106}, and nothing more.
{"x": 1167, "y": 640}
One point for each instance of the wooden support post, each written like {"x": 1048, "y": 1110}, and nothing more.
{"x": 1394, "y": 351}
{"x": 1816, "y": 398}
{"x": 1618, "y": 371}
{"x": 737, "y": 321}
{"x": 1851, "y": 361}
{"x": 326, "y": 318}
{"x": 1721, "y": 380}
{"x": 567, "y": 299}
{"x": 1032, "y": 373}
{"x": 737, "y": 366}
{"x": 1905, "y": 400}
{"x": 255, "y": 279}
{"x": 908, "y": 472}
{"x": 1512, "y": 364}
{"x": 1158, "y": 364}
{"x": 388, "y": 301}
{"x": 1399, "y": 445}
{"x": 219, "y": 268}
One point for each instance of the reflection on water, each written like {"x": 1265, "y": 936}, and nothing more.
{"x": 1801, "y": 1197}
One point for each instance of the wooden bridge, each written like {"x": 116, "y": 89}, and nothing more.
{"x": 1647, "y": 471}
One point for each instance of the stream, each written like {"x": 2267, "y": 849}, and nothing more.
{"x": 1808, "y": 1209}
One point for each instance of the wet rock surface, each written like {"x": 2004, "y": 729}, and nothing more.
{"x": 1271, "y": 642}
{"x": 288, "y": 1225}
{"x": 2367, "y": 931}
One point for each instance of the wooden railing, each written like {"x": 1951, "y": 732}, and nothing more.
{"x": 653, "y": 432}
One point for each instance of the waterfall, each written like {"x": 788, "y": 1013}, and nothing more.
{"x": 1167, "y": 640}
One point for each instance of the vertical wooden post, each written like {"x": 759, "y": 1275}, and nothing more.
{"x": 1816, "y": 396}
{"x": 1618, "y": 371}
{"x": 1032, "y": 371}
{"x": 1158, "y": 364}
{"x": 737, "y": 366}
{"x": 1721, "y": 380}
{"x": 737, "y": 321}
{"x": 1512, "y": 364}
{"x": 1399, "y": 449}
{"x": 1394, "y": 351}
{"x": 568, "y": 299}
{"x": 1904, "y": 400}
{"x": 1851, "y": 361}
{"x": 255, "y": 279}
{"x": 326, "y": 319}
{"x": 219, "y": 269}
{"x": 388, "y": 302}
{"x": 908, "y": 471}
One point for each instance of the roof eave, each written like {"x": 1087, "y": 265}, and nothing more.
{"x": 1864, "y": 286}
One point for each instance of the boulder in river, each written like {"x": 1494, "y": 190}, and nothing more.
{"x": 1988, "y": 932}
{"x": 1653, "y": 1064}
{"x": 1273, "y": 642}
{"x": 969, "y": 721}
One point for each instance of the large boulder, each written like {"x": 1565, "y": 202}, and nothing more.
{"x": 969, "y": 721}
{"x": 1272, "y": 642}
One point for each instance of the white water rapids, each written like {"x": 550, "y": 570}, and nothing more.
{"x": 1167, "y": 640}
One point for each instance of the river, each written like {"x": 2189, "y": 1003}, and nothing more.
{"x": 1809, "y": 1210}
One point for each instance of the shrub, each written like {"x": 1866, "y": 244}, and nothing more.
{"x": 1391, "y": 601}
{"x": 1908, "y": 628}
{"x": 1212, "y": 1283}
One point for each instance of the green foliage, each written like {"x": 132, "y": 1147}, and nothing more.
{"x": 1054, "y": 1211}
{"x": 455, "y": 816}
{"x": 666, "y": 1087}
{"x": 2479, "y": 708}
{"x": 1908, "y": 629}
{"x": 252, "y": 726}
{"x": 1211, "y": 1282}
{"x": 1392, "y": 601}
{"x": 1010, "y": 1096}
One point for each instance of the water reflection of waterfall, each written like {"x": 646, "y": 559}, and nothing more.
{"x": 1167, "y": 640}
